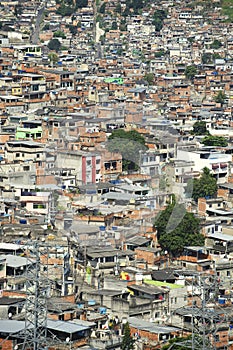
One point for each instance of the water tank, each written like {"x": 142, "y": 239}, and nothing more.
{"x": 102, "y": 310}
{"x": 221, "y": 301}
{"x": 80, "y": 305}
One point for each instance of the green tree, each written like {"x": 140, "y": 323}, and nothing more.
{"x": 216, "y": 56}
{"x": 137, "y": 5}
{"x": 209, "y": 57}
{"x": 127, "y": 341}
{"x": 126, "y": 12}
{"x": 220, "y": 97}
{"x": 177, "y": 228}
{"x": 59, "y": 34}
{"x": 114, "y": 25}
{"x": 159, "y": 53}
{"x": 54, "y": 44}
{"x": 53, "y": 57}
{"x": 190, "y": 72}
{"x": 176, "y": 346}
{"x": 149, "y": 77}
{"x": 184, "y": 343}
{"x": 123, "y": 27}
{"x": 102, "y": 8}
{"x": 216, "y": 44}
{"x": 81, "y": 3}
{"x": 73, "y": 29}
{"x": 205, "y": 186}
{"x": 158, "y": 19}
{"x": 46, "y": 26}
{"x": 218, "y": 141}
{"x": 199, "y": 128}
{"x": 65, "y": 10}
{"x": 129, "y": 144}
{"x": 118, "y": 8}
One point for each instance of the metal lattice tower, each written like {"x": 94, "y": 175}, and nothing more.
{"x": 206, "y": 321}
{"x": 37, "y": 292}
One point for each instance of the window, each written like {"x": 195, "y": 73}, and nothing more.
{"x": 228, "y": 273}
{"x": 152, "y": 171}
{"x": 26, "y": 168}
{"x": 19, "y": 286}
{"x": 17, "y": 155}
{"x": 39, "y": 206}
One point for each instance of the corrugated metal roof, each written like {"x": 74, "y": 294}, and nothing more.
{"x": 16, "y": 261}
{"x": 11, "y": 326}
{"x": 151, "y": 327}
{"x": 65, "y": 326}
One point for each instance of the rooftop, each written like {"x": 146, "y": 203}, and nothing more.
{"x": 151, "y": 327}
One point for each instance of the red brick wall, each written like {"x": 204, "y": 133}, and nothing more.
{"x": 223, "y": 193}
{"x": 144, "y": 334}
{"x": 6, "y": 344}
{"x": 147, "y": 256}
{"x": 202, "y": 206}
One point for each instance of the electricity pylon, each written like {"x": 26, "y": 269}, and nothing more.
{"x": 37, "y": 293}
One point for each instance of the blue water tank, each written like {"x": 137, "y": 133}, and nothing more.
{"x": 221, "y": 301}
{"x": 80, "y": 305}
{"x": 23, "y": 221}
{"x": 102, "y": 228}
{"x": 102, "y": 310}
